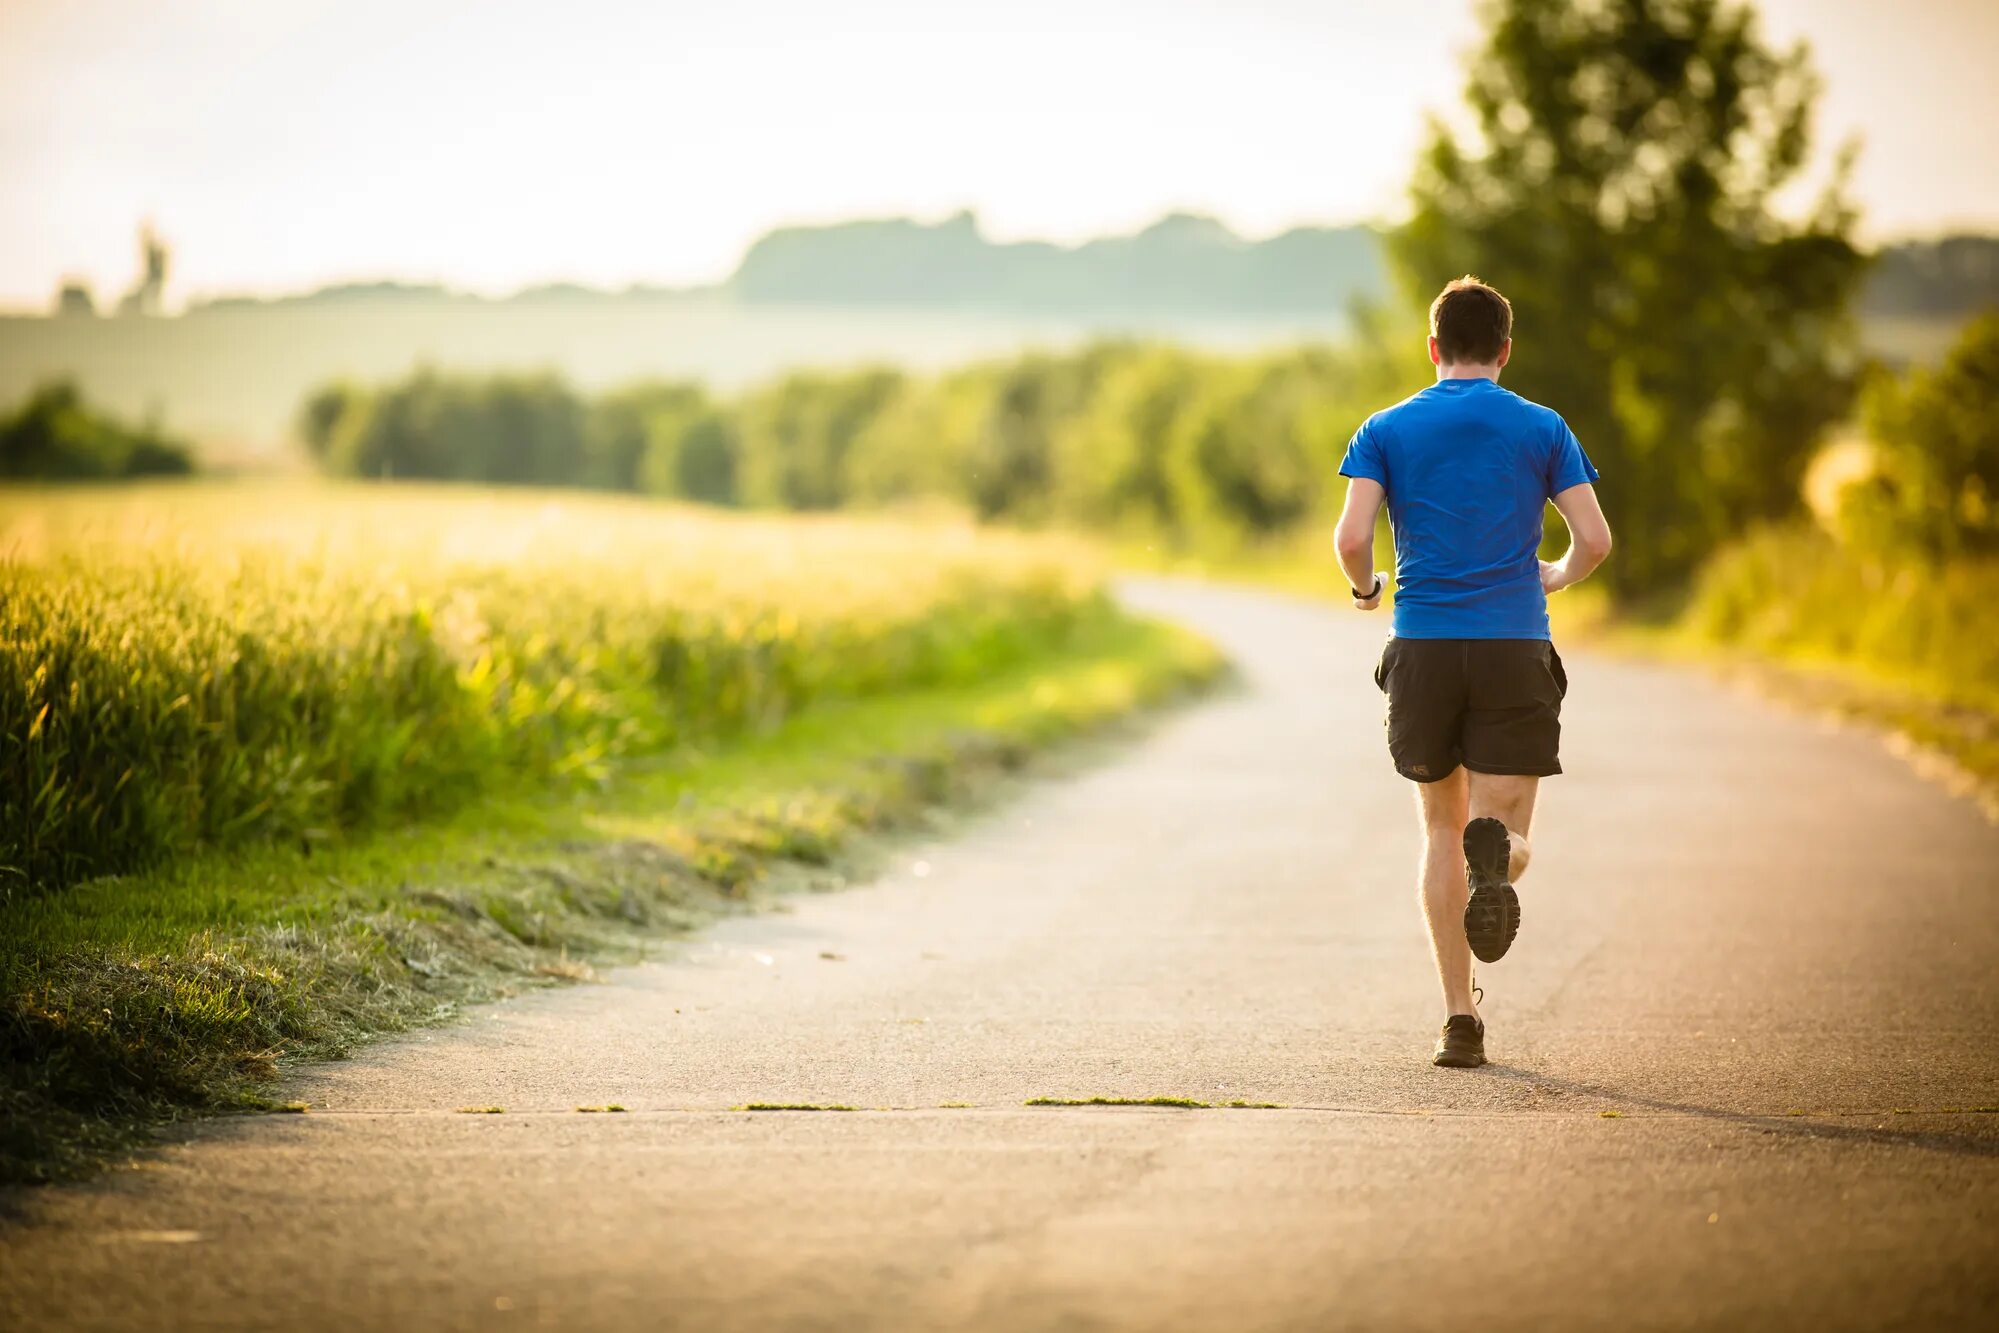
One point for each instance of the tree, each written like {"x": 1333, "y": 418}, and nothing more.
{"x": 514, "y": 429}
{"x": 322, "y": 413}
{"x": 1109, "y": 461}
{"x": 796, "y": 433}
{"x": 56, "y": 436}
{"x": 915, "y": 446}
{"x": 687, "y": 443}
{"x": 74, "y": 301}
{"x": 1011, "y": 457}
{"x": 1253, "y": 454}
{"x": 629, "y": 424}
{"x": 1619, "y": 190}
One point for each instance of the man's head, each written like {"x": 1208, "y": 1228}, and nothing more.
{"x": 1470, "y": 325}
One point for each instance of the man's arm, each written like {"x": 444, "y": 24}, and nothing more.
{"x": 1589, "y": 538}
{"x": 1354, "y": 540}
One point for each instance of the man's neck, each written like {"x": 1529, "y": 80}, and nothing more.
{"x": 1468, "y": 373}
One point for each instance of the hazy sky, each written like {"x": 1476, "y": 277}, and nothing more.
{"x": 284, "y": 143}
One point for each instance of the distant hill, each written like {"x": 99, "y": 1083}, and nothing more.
{"x": 1183, "y": 264}
{"x": 1951, "y": 277}
{"x": 424, "y": 295}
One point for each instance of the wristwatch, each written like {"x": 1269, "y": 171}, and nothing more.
{"x": 1360, "y": 596}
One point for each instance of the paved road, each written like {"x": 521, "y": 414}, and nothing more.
{"x": 1767, "y": 948}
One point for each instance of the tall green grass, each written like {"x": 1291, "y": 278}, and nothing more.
{"x": 197, "y": 667}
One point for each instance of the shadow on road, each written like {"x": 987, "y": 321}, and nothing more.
{"x": 1802, "y": 1125}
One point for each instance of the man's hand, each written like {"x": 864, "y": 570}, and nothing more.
{"x": 1589, "y": 539}
{"x": 1354, "y": 540}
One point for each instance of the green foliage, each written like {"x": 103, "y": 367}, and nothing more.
{"x": 206, "y": 686}
{"x": 522, "y": 429}
{"x": 1795, "y": 592}
{"x": 1010, "y": 453}
{"x": 56, "y": 436}
{"x": 1935, "y": 488}
{"x": 796, "y": 435}
{"x": 1259, "y": 450}
{"x": 1896, "y": 614}
{"x": 915, "y": 447}
{"x": 1153, "y": 441}
{"x": 322, "y": 413}
{"x": 690, "y": 447}
{"x": 1619, "y": 192}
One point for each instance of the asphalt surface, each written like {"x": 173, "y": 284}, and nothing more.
{"x": 1741, "y": 1050}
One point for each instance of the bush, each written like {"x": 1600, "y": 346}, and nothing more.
{"x": 55, "y": 436}
{"x": 1935, "y": 487}
{"x": 1797, "y": 592}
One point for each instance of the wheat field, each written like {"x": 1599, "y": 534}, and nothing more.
{"x": 191, "y": 666}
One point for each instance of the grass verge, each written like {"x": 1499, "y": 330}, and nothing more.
{"x": 795, "y": 1106}
{"x": 1906, "y": 645}
{"x": 131, "y": 1001}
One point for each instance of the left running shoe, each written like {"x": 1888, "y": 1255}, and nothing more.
{"x": 1492, "y": 912}
{"x": 1461, "y": 1045}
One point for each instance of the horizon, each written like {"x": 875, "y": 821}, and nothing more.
{"x": 616, "y": 287}
{"x": 891, "y": 112}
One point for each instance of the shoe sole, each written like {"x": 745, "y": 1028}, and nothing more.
{"x": 1492, "y": 912}
{"x": 1443, "y": 1061}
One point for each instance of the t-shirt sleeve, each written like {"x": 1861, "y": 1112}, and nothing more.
{"x": 1364, "y": 456}
{"x": 1568, "y": 465}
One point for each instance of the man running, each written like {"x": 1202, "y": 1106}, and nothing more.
{"x": 1474, "y": 686}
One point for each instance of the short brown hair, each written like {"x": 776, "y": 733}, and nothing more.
{"x": 1470, "y": 322}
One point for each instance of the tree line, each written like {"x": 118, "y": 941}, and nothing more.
{"x": 1128, "y": 437}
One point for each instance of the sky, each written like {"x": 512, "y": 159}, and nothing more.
{"x": 281, "y": 144}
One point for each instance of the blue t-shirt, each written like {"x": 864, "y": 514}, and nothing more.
{"x": 1469, "y": 468}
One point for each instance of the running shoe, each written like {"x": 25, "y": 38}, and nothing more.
{"x": 1492, "y": 912}
{"x": 1462, "y": 1045}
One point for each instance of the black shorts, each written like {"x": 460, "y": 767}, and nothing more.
{"x": 1493, "y": 705}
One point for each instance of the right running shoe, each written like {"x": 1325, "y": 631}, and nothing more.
{"x": 1492, "y": 911}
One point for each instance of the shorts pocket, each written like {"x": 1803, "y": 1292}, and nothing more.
{"x": 1381, "y": 667}
{"x": 1558, "y": 671}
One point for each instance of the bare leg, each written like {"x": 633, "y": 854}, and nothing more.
{"x": 1508, "y": 798}
{"x": 1443, "y": 806}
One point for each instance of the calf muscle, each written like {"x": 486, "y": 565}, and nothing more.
{"x": 1509, "y": 798}
{"x": 1444, "y": 808}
